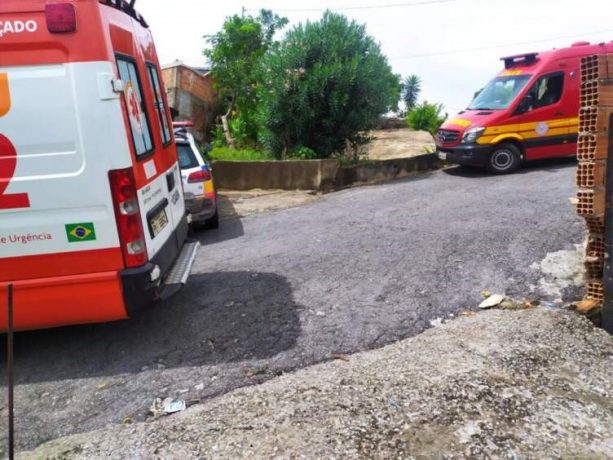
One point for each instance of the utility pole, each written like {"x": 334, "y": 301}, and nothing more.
{"x": 243, "y": 12}
{"x": 9, "y": 365}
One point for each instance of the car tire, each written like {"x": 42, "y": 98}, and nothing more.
{"x": 213, "y": 222}
{"x": 505, "y": 159}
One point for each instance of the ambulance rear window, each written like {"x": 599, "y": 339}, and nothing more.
{"x": 160, "y": 108}
{"x": 139, "y": 124}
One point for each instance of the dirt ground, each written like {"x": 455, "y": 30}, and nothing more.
{"x": 388, "y": 144}
{"x": 502, "y": 384}
{"x": 233, "y": 204}
{"x": 399, "y": 143}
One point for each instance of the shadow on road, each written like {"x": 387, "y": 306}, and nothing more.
{"x": 229, "y": 229}
{"x": 217, "y": 318}
{"x": 230, "y": 225}
{"x": 551, "y": 165}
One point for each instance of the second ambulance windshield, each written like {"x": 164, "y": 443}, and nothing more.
{"x": 499, "y": 93}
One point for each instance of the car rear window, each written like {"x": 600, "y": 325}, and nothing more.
{"x": 187, "y": 159}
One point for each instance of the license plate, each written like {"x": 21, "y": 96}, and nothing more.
{"x": 442, "y": 155}
{"x": 159, "y": 222}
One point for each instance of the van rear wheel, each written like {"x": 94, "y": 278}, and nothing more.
{"x": 213, "y": 222}
{"x": 505, "y": 159}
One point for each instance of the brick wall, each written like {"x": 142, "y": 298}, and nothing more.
{"x": 193, "y": 96}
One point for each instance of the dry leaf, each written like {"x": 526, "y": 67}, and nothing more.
{"x": 531, "y": 303}
{"x": 467, "y": 313}
{"x": 585, "y": 306}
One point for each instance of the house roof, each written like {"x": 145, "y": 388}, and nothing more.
{"x": 204, "y": 71}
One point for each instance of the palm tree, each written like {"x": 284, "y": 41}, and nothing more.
{"x": 411, "y": 87}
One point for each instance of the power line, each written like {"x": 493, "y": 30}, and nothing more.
{"x": 469, "y": 50}
{"x": 366, "y": 7}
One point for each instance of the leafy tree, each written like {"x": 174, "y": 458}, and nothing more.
{"x": 235, "y": 56}
{"x": 426, "y": 117}
{"x": 326, "y": 83}
{"x": 411, "y": 87}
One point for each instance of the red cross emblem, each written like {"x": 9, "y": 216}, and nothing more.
{"x": 134, "y": 107}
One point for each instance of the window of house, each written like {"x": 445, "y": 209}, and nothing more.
{"x": 135, "y": 105}
{"x": 160, "y": 108}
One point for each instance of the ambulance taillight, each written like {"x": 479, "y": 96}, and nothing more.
{"x": 127, "y": 212}
{"x": 61, "y": 18}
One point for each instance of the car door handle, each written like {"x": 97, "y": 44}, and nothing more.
{"x": 559, "y": 113}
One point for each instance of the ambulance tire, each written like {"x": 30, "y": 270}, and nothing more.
{"x": 505, "y": 159}
{"x": 213, "y": 222}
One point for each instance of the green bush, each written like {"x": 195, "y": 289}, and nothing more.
{"x": 230, "y": 154}
{"x": 219, "y": 138}
{"x": 303, "y": 153}
{"x": 326, "y": 83}
{"x": 238, "y": 128}
{"x": 426, "y": 117}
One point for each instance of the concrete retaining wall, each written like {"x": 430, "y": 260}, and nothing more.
{"x": 322, "y": 175}
{"x": 382, "y": 170}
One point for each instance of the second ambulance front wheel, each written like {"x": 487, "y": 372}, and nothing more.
{"x": 505, "y": 159}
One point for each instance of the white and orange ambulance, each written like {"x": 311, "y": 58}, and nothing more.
{"x": 93, "y": 224}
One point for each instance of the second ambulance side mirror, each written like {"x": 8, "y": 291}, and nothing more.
{"x": 525, "y": 104}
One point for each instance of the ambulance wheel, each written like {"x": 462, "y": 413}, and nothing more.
{"x": 213, "y": 222}
{"x": 505, "y": 159}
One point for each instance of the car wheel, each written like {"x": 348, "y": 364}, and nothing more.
{"x": 505, "y": 159}
{"x": 213, "y": 222}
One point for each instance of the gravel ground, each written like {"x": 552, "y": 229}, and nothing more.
{"x": 529, "y": 384}
{"x": 274, "y": 292}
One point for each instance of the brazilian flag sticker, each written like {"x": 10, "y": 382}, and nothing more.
{"x": 80, "y": 232}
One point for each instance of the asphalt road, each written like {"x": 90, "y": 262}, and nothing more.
{"x": 274, "y": 292}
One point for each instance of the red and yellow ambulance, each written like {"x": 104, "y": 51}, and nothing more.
{"x": 528, "y": 112}
{"x": 93, "y": 224}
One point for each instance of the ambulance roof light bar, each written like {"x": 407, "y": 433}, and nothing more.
{"x": 127, "y": 6}
{"x": 519, "y": 59}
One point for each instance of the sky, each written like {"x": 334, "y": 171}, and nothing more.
{"x": 453, "y": 45}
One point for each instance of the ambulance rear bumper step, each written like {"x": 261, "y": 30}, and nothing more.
{"x": 178, "y": 274}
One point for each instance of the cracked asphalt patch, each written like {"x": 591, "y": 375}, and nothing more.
{"x": 274, "y": 292}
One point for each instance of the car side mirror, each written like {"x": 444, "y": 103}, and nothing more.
{"x": 525, "y": 104}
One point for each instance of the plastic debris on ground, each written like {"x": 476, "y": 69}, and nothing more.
{"x": 166, "y": 406}
{"x": 550, "y": 305}
{"x": 491, "y": 301}
{"x": 436, "y": 322}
